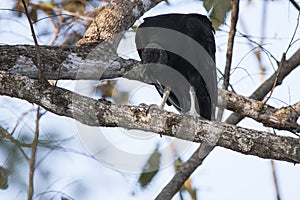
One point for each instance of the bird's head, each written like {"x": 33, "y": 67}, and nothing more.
{"x": 154, "y": 53}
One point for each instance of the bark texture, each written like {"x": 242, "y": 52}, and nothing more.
{"x": 117, "y": 17}
{"x": 97, "y": 61}
{"x": 92, "y": 61}
{"x": 102, "y": 113}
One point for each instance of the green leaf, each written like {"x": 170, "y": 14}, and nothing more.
{"x": 218, "y": 10}
{"x": 150, "y": 169}
{"x": 3, "y": 178}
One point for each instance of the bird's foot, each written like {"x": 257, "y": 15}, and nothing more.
{"x": 150, "y": 110}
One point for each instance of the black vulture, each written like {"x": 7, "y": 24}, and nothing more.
{"x": 178, "y": 56}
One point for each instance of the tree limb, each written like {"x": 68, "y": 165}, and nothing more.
{"x": 66, "y": 62}
{"x": 116, "y": 17}
{"x": 231, "y": 36}
{"x": 284, "y": 118}
{"x": 287, "y": 67}
{"x": 80, "y": 62}
{"x": 102, "y": 113}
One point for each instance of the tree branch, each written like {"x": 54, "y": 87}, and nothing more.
{"x": 287, "y": 67}
{"x": 284, "y": 118}
{"x": 234, "y": 19}
{"x": 66, "y": 62}
{"x": 232, "y": 31}
{"x": 116, "y": 17}
{"x": 80, "y": 62}
{"x": 295, "y": 5}
{"x": 102, "y": 113}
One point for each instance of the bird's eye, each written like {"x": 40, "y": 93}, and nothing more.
{"x": 151, "y": 55}
{"x": 154, "y": 56}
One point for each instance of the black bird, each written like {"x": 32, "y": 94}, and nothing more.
{"x": 178, "y": 56}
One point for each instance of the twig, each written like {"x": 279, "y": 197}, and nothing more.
{"x": 36, "y": 134}
{"x": 5, "y": 134}
{"x": 274, "y": 173}
{"x": 283, "y": 59}
{"x": 56, "y": 32}
{"x": 19, "y": 120}
{"x": 234, "y": 19}
{"x": 262, "y": 68}
{"x": 37, "y": 47}
{"x": 32, "y": 159}
{"x": 48, "y": 6}
{"x": 267, "y": 86}
{"x": 295, "y": 5}
{"x": 294, "y": 34}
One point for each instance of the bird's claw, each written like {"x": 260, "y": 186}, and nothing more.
{"x": 150, "y": 109}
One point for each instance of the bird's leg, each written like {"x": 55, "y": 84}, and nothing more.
{"x": 205, "y": 147}
{"x": 166, "y": 94}
{"x": 193, "y": 110}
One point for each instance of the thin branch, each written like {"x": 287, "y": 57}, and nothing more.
{"x": 294, "y": 34}
{"x": 274, "y": 173}
{"x": 234, "y": 19}
{"x": 232, "y": 31}
{"x": 37, "y": 47}
{"x": 32, "y": 159}
{"x": 20, "y": 118}
{"x": 263, "y": 77}
{"x": 295, "y": 5}
{"x": 283, "y": 58}
{"x": 38, "y": 116}
{"x": 267, "y": 86}
{"x": 44, "y": 6}
{"x": 5, "y": 134}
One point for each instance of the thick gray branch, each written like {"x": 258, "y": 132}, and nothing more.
{"x": 90, "y": 61}
{"x": 66, "y": 62}
{"x": 101, "y": 113}
{"x": 99, "y": 61}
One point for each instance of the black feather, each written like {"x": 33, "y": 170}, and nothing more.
{"x": 175, "y": 36}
